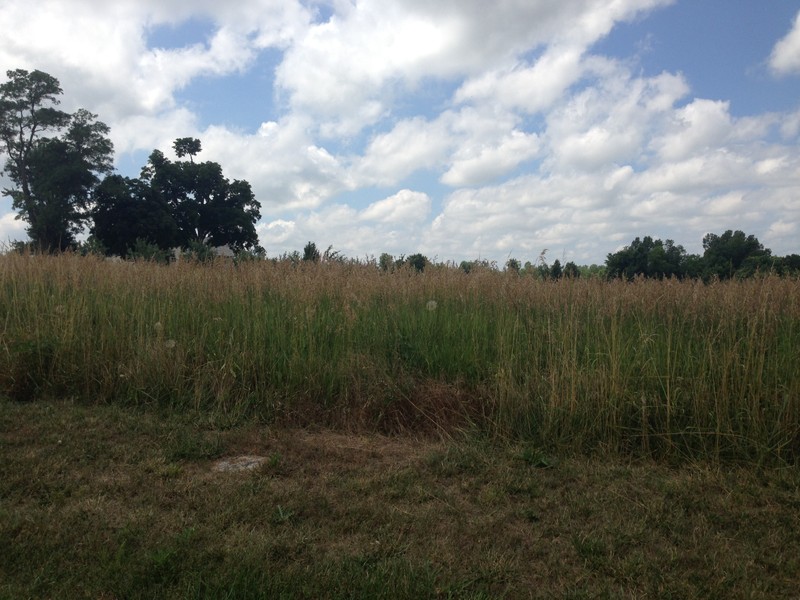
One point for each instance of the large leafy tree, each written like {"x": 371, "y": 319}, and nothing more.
{"x": 733, "y": 251}
{"x": 53, "y": 157}
{"x": 207, "y": 207}
{"x": 128, "y": 211}
{"x": 648, "y": 257}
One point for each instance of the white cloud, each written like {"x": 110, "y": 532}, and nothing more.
{"x": 785, "y": 57}
{"x": 473, "y": 165}
{"x": 376, "y": 49}
{"x": 383, "y": 229}
{"x": 411, "y": 145}
{"x": 11, "y": 229}
{"x": 537, "y": 142}
{"x": 700, "y": 125}
{"x": 528, "y": 88}
{"x": 286, "y": 169}
{"x": 406, "y": 206}
{"x": 608, "y": 122}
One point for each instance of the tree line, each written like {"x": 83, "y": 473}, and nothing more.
{"x": 61, "y": 168}
{"x": 732, "y": 254}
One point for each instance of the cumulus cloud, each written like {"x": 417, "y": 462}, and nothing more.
{"x": 530, "y": 88}
{"x": 365, "y": 55}
{"x": 410, "y": 145}
{"x": 697, "y": 126}
{"x": 785, "y": 57}
{"x": 11, "y": 228}
{"x": 406, "y": 206}
{"x": 471, "y": 166}
{"x": 530, "y": 139}
{"x": 351, "y": 232}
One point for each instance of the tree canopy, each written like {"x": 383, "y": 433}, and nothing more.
{"x": 731, "y": 254}
{"x": 176, "y": 203}
{"x": 127, "y": 211}
{"x": 54, "y": 175}
{"x": 648, "y": 257}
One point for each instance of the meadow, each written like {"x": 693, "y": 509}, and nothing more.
{"x": 420, "y": 435}
{"x": 656, "y": 368}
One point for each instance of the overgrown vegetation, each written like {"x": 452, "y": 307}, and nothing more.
{"x": 659, "y": 368}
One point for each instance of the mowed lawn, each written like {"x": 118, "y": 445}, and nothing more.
{"x": 107, "y": 501}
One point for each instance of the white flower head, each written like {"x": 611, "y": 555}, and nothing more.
{"x": 431, "y": 305}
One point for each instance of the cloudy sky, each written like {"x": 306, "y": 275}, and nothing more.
{"x": 461, "y": 129}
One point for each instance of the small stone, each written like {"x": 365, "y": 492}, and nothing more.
{"x": 239, "y": 463}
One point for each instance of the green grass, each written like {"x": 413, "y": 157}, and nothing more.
{"x": 124, "y": 502}
{"x": 665, "y": 369}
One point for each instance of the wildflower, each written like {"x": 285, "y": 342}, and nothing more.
{"x": 170, "y": 344}
{"x": 431, "y": 305}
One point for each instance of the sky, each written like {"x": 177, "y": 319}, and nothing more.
{"x": 461, "y": 129}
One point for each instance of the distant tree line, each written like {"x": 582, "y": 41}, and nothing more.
{"x": 732, "y": 254}
{"x": 61, "y": 167}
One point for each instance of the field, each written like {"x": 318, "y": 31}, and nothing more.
{"x": 423, "y": 435}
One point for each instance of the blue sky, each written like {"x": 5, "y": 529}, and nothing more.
{"x": 448, "y": 128}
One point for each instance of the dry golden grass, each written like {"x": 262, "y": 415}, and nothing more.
{"x": 670, "y": 368}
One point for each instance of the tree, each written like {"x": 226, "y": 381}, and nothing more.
{"x": 647, "y": 257}
{"x": 187, "y": 146}
{"x": 513, "y": 266}
{"x": 725, "y": 254}
{"x": 571, "y": 271}
{"x": 54, "y": 176}
{"x": 418, "y": 262}
{"x": 206, "y": 206}
{"x": 311, "y": 253}
{"x": 790, "y": 264}
{"x": 128, "y": 211}
{"x": 59, "y": 188}
{"x": 556, "y": 270}
{"x": 386, "y": 262}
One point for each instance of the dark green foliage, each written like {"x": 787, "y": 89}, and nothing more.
{"x": 386, "y": 262}
{"x": 311, "y": 253}
{"x": 555, "y": 270}
{"x": 479, "y": 264}
{"x": 726, "y": 254}
{"x": 54, "y": 176}
{"x": 148, "y": 251}
{"x": 571, "y": 270}
{"x": 789, "y": 264}
{"x": 648, "y": 257}
{"x": 177, "y": 204}
{"x": 199, "y": 252}
{"x": 128, "y": 210}
{"x": 732, "y": 254}
{"x": 187, "y": 147}
{"x": 206, "y": 206}
{"x": 513, "y": 266}
{"x": 27, "y": 102}
{"x": 418, "y": 262}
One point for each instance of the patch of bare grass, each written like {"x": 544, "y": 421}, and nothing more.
{"x": 111, "y": 502}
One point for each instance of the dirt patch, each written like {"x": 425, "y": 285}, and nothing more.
{"x": 239, "y": 463}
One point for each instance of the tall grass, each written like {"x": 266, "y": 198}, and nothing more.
{"x": 662, "y": 368}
